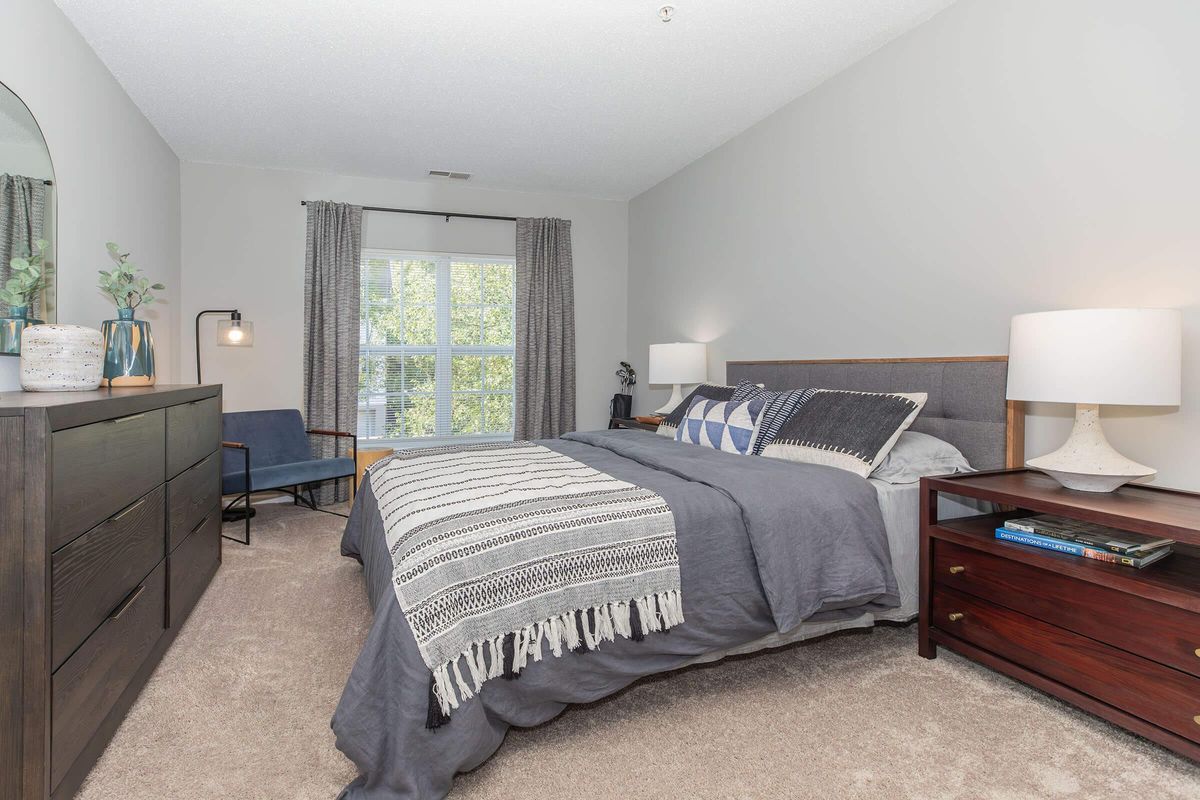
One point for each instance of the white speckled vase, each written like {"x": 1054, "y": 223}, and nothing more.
{"x": 61, "y": 358}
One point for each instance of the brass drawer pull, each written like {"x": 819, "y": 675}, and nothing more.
{"x": 957, "y": 569}
{"x": 126, "y": 603}
{"x": 1198, "y": 652}
{"x": 1196, "y": 719}
{"x": 955, "y": 616}
{"x": 131, "y": 508}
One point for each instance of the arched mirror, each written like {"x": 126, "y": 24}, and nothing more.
{"x": 27, "y": 210}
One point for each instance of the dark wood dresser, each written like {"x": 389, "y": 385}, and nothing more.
{"x": 1119, "y": 642}
{"x": 110, "y": 530}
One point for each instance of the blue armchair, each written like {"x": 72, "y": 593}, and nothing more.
{"x": 269, "y": 450}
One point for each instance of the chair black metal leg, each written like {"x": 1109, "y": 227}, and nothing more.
{"x": 247, "y": 512}
{"x": 249, "y": 505}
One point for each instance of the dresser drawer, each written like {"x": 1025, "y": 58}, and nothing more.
{"x": 92, "y": 574}
{"x": 1158, "y": 694}
{"x": 87, "y": 686}
{"x": 190, "y": 496}
{"x": 1087, "y": 608}
{"x": 193, "y": 431}
{"x": 192, "y": 565}
{"x": 98, "y": 469}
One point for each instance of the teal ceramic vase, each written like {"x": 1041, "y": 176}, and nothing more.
{"x": 12, "y": 326}
{"x": 128, "y": 351}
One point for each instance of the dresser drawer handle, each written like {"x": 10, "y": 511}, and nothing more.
{"x": 955, "y": 616}
{"x": 131, "y": 508}
{"x": 127, "y": 419}
{"x": 957, "y": 569}
{"x": 199, "y": 525}
{"x": 1196, "y": 719}
{"x": 126, "y": 603}
{"x": 1198, "y": 652}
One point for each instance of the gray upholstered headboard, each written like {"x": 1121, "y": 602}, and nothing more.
{"x": 966, "y": 405}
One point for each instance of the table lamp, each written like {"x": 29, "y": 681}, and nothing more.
{"x": 1089, "y": 357}
{"x": 677, "y": 363}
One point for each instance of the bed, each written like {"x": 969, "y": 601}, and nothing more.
{"x": 748, "y": 582}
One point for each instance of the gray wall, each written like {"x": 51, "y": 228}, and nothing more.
{"x": 1002, "y": 157}
{"x": 243, "y": 246}
{"x": 115, "y": 178}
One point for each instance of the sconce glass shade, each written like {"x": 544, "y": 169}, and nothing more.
{"x": 235, "y": 333}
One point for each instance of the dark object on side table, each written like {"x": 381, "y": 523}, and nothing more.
{"x": 621, "y": 422}
{"x": 621, "y": 406}
{"x": 269, "y": 450}
{"x": 1121, "y": 643}
{"x": 110, "y": 531}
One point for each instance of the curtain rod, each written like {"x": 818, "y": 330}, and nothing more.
{"x": 446, "y": 214}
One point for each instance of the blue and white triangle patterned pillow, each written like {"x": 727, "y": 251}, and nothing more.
{"x": 721, "y": 425}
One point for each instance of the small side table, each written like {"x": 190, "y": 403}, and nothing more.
{"x": 368, "y": 456}
{"x": 619, "y": 422}
{"x": 1119, "y": 642}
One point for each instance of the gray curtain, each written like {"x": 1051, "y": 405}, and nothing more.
{"x": 545, "y": 335}
{"x": 22, "y": 210}
{"x": 331, "y": 299}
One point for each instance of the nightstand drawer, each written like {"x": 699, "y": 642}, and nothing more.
{"x": 1163, "y": 696}
{"x": 1087, "y": 608}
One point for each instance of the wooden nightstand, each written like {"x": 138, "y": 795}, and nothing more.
{"x": 1119, "y": 642}
{"x": 618, "y": 422}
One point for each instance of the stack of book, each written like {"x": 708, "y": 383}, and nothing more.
{"x": 1083, "y": 539}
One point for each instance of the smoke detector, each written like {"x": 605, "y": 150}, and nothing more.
{"x": 666, "y": 13}
{"x": 445, "y": 173}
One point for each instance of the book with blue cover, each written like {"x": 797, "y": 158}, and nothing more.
{"x": 1097, "y": 537}
{"x": 1077, "y": 549}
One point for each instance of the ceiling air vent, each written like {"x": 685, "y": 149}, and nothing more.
{"x": 442, "y": 173}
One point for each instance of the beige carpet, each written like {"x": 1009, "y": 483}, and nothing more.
{"x": 240, "y": 708}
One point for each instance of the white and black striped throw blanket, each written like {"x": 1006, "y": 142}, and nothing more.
{"x": 504, "y": 553}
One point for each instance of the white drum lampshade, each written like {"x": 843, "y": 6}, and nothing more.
{"x": 677, "y": 363}
{"x": 1090, "y": 357}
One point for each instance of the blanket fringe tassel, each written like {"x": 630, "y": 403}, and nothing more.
{"x": 577, "y": 631}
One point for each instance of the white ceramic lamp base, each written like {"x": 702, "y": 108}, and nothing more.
{"x": 1087, "y": 461}
{"x": 676, "y": 399}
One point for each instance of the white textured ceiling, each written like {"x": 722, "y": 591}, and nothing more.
{"x": 591, "y": 97}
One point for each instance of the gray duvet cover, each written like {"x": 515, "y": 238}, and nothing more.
{"x": 763, "y": 546}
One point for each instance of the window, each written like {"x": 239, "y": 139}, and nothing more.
{"x": 435, "y": 348}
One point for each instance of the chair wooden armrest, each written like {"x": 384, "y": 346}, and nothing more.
{"x": 320, "y": 432}
{"x": 237, "y": 445}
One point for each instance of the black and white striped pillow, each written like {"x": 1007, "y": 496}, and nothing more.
{"x": 779, "y": 408}
{"x": 850, "y": 430}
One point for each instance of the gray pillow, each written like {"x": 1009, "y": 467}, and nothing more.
{"x": 918, "y": 455}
